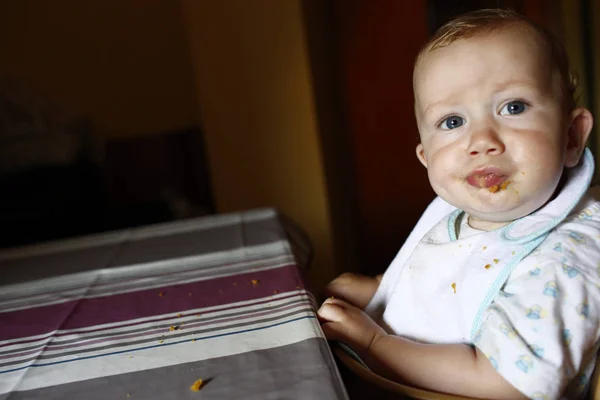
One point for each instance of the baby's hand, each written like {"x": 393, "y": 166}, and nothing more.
{"x": 344, "y": 322}
{"x": 356, "y": 289}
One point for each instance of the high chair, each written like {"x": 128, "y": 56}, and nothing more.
{"x": 394, "y": 390}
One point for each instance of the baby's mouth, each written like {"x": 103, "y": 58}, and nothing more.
{"x": 489, "y": 178}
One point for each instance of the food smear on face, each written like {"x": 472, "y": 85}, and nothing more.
{"x": 497, "y": 188}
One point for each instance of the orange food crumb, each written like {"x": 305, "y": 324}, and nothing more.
{"x": 179, "y": 315}
{"x": 497, "y": 188}
{"x": 161, "y": 294}
{"x": 196, "y": 386}
{"x": 172, "y": 328}
{"x": 484, "y": 247}
{"x": 193, "y": 340}
{"x": 496, "y": 261}
{"x": 275, "y": 291}
{"x": 453, "y": 286}
{"x": 254, "y": 281}
{"x": 488, "y": 266}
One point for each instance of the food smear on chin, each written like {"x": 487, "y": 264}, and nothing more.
{"x": 497, "y": 188}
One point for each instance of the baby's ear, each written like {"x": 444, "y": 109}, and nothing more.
{"x": 579, "y": 130}
{"x": 421, "y": 154}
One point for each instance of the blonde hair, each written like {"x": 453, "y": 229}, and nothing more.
{"x": 482, "y": 22}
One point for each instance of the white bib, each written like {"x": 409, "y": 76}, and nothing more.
{"x": 441, "y": 292}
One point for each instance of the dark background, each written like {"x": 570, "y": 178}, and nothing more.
{"x": 116, "y": 114}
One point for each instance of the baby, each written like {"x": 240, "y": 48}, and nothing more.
{"x": 496, "y": 292}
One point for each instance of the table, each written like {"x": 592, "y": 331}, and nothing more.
{"x": 144, "y": 313}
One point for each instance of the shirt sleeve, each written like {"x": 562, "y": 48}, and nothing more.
{"x": 540, "y": 332}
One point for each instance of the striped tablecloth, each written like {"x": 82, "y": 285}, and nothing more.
{"x": 146, "y": 312}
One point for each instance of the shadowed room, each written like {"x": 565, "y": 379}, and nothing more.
{"x": 119, "y": 116}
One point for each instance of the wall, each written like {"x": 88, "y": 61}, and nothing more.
{"x": 125, "y": 63}
{"x": 377, "y": 55}
{"x": 256, "y": 106}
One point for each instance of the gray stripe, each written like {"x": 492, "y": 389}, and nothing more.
{"x": 246, "y": 233}
{"x": 165, "y": 325}
{"x": 171, "y": 337}
{"x": 303, "y": 370}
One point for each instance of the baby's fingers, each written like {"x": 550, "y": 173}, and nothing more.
{"x": 331, "y": 311}
{"x": 333, "y": 331}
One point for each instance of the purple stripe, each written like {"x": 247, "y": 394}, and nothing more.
{"x": 159, "y": 319}
{"x": 133, "y": 279}
{"x": 148, "y": 303}
{"x": 152, "y": 332}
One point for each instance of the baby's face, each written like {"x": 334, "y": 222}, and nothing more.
{"x": 492, "y": 126}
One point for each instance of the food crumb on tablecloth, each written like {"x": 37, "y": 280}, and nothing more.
{"x": 173, "y": 328}
{"x": 179, "y": 315}
{"x": 160, "y": 341}
{"x": 488, "y": 266}
{"x": 160, "y": 294}
{"x": 453, "y": 286}
{"x": 196, "y": 386}
{"x": 496, "y": 261}
{"x": 254, "y": 281}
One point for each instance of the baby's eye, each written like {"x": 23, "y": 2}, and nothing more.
{"x": 513, "y": 108}
{"x": 452, "y": 122}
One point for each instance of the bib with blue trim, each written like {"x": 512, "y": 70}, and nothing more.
{"x": 447, "y": 282}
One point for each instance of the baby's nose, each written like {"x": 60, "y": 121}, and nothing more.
{"x": 485, "y": 142}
